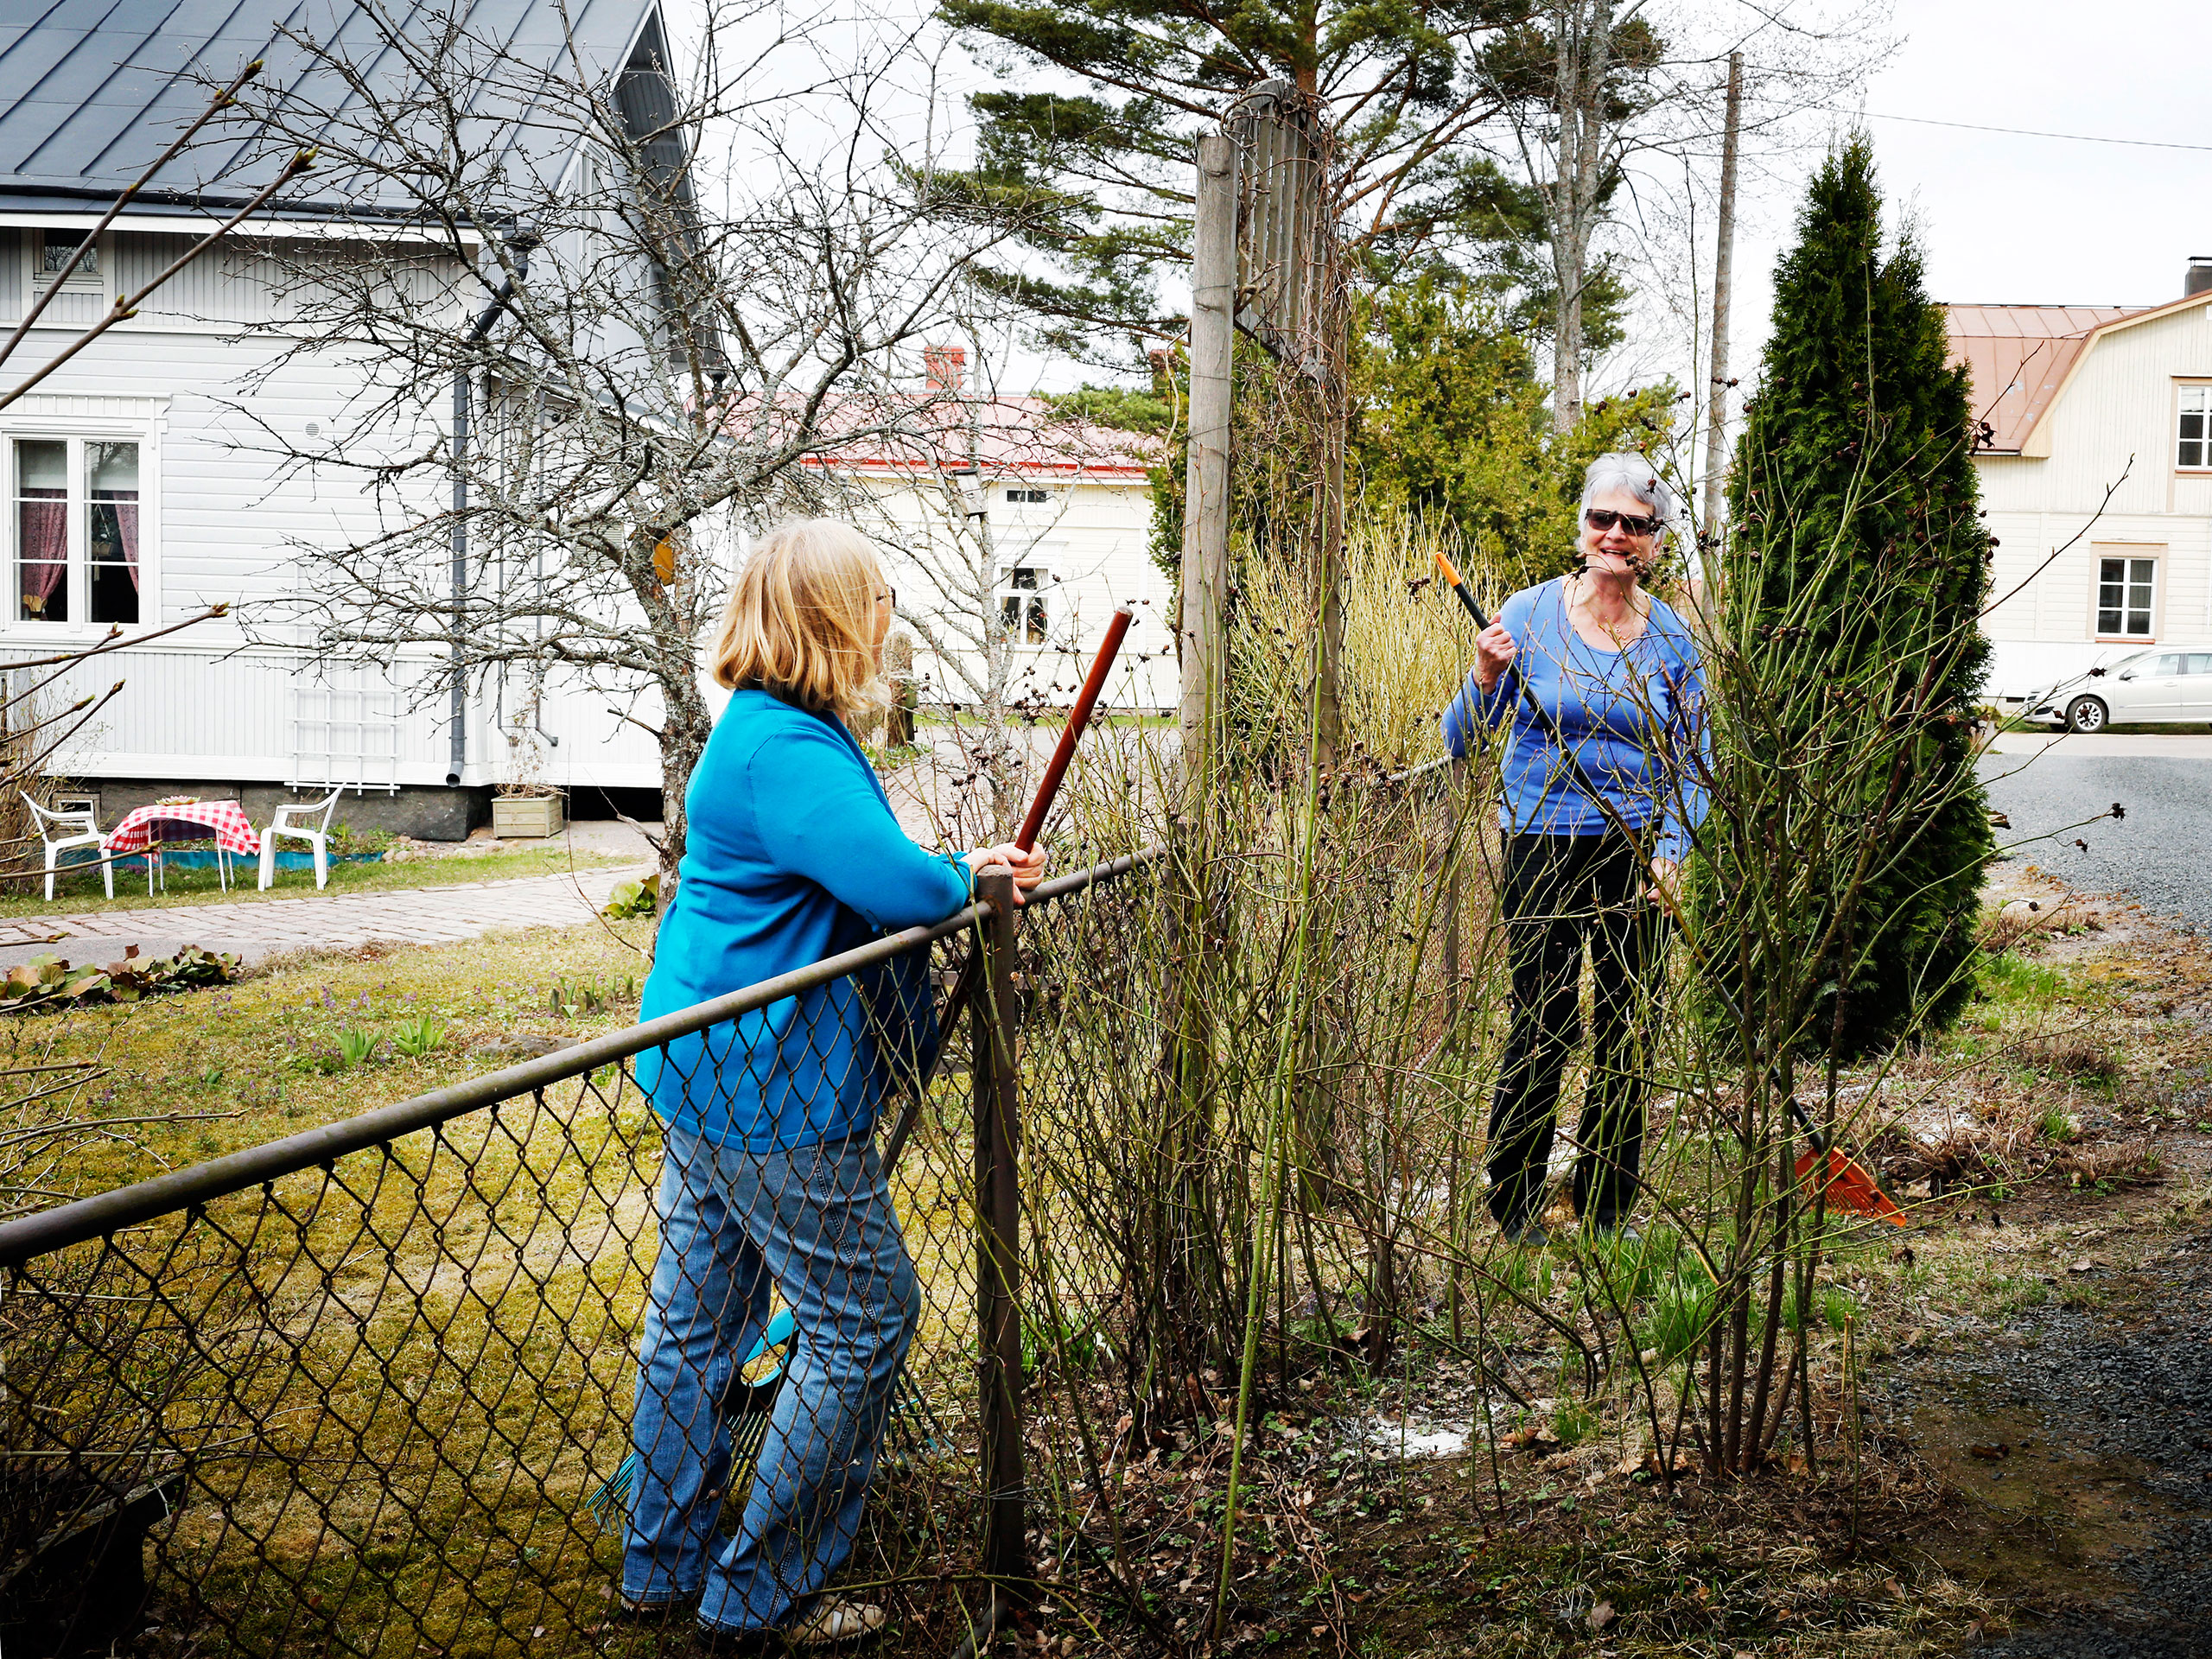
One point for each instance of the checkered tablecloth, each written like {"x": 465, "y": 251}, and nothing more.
{"x": 224, "y": 821}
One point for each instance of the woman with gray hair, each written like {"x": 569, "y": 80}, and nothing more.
{"x": 1620, "y": 673}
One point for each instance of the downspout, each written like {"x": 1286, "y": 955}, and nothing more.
{"x": 457, "y": 755}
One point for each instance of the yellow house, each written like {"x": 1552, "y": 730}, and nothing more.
{"x": 2094, "y": 444}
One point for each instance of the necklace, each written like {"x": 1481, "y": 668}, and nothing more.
{"x": 1638, "y": 615}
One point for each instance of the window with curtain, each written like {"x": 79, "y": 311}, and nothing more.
{"x": 112, "y": 530}
{"x": 42, "y": 531}
{"x": 76, "y": 538}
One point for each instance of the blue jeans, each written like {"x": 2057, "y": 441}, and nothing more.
{"x": 817, "y": 1223}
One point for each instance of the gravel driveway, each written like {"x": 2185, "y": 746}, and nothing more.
{"x": 2160, "y": 854}
{"x": 2081, "y": 1444}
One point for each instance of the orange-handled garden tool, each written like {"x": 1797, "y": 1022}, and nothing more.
{"x": 1848, "y": 1183}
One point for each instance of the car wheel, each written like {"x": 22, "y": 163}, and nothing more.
{"x": 2087, "y": 715}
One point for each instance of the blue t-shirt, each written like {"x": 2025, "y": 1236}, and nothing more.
{"x": 792, "y": 854}
{"x": 1635, "y": 719}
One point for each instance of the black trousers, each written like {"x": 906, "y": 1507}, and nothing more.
{"x": 1563, "y": 893}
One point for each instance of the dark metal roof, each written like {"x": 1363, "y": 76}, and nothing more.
{"x": 91, "y": 91}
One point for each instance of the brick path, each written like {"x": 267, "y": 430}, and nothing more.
{"x": 257, "y": 929}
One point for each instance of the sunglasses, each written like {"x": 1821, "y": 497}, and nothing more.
{"x": 1601, "y": 520}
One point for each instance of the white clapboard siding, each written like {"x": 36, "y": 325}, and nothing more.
{"x": 1094, "y": 539}
{"x": 2113, "y": 425}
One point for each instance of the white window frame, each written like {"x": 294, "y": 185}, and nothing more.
{"x": 2197, "y": 393}
{"x": 94, "y": 283}
{"x": 2129, "y": 558}
{"x": 1046, "y": 596}
{"x": 76, "y": 433}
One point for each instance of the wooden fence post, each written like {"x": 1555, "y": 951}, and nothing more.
{"x": 998, "y": 1243}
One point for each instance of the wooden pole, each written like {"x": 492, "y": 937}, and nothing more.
{"x": 1205, "y": 501}
{"x": 998, "y": 1243}
{"x": 1716, "y": 430}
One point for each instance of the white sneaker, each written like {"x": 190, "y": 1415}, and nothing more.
{"x": 836, "y": 1621}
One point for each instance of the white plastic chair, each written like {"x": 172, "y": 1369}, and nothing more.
{"x": 295, "y": 821}
{"x": 80, "y": 831}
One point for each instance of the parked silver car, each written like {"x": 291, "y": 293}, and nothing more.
{"x": 2151, "y": 687}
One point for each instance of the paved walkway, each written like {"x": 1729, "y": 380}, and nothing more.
{"x": 2107, "y": 746}
{"x": 259, "y": 929}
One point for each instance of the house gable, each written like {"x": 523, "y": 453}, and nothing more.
{"x": 2023, "y": 360}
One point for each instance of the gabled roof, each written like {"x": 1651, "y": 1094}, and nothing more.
{"x": 91, "y": 91}
{"x": 1004, "y": 437}
{"x": 2023, "y": 357}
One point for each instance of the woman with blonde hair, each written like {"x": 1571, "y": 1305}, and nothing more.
{"x": 771, "y": 1179}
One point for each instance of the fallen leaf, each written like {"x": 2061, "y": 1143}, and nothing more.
{"x": 1601, "y": 1615}
{"x": 1896, "y": 1590}
{"x": 2084, "y": 1265}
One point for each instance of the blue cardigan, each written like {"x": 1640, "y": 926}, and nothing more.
{"x": 1635, "y": 720}
{"x": 792, "y": 855}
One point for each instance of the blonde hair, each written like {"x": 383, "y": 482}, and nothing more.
{"x": 801, "y": 619}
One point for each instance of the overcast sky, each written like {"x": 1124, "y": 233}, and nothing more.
{"x": 2009, "y": 219}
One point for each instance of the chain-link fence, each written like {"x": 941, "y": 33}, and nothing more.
{"x": 472, "y": 1373}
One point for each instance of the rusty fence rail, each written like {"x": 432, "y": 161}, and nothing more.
{"x": 369, "y": 1388}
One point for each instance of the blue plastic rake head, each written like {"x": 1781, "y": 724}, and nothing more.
{"x": 913, "y": 1424}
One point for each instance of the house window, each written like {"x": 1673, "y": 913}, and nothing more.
{"x": 76, "y": 530}
{"x": 54, "y": 249}
{"x": 1031, "y": 498}
{"x": 2127, "y": 591}
{"x": 2193, "y": 445}
{"x": 1024, "y": 605}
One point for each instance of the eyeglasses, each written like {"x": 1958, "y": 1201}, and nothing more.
{"x": 1602, "y": 519}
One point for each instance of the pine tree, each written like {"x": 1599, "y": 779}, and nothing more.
{"x": 1859, "y": 564}
{"x": 1084, "y": 146}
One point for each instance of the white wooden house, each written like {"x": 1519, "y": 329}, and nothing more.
{"x": 2078, "y": 401}
{"x": 143, "y": 481}
{"x": 1058, "y": 510}
{"x": 144, "y": 486}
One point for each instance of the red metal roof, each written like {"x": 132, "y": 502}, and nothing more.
{"x": 1007, "y": 437}
{"x": 2018, "y": 356}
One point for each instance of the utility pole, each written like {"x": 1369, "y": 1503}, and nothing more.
{"x": 1716, "y": 428}
{"x": 1205, "y": 501}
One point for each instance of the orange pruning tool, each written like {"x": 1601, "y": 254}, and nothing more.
{"x": 1846, "y": 1182}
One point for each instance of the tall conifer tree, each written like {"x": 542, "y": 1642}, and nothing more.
{"x": 1859, "y": 542}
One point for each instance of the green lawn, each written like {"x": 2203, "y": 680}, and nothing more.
{"x": 260, "y": 1058}
{"x": 81, "y": 891}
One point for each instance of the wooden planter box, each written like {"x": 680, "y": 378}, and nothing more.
{"x": 520, "y": 816}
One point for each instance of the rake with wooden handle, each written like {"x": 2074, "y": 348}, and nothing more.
{"x": 1848, "y": 1183}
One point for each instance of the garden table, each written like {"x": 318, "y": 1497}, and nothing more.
{"x": 224, "y": 821}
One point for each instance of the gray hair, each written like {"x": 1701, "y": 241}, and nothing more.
{"x": 1637, "y": 476}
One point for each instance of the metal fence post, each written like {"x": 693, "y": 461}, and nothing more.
{"x": 998, "y": 1241}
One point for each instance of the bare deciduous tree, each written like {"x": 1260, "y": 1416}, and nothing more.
{"x": 607, "y": 314}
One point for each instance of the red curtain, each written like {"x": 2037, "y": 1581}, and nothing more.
{"x": 126, "y": 527}
{"x": 44, "y": 517}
